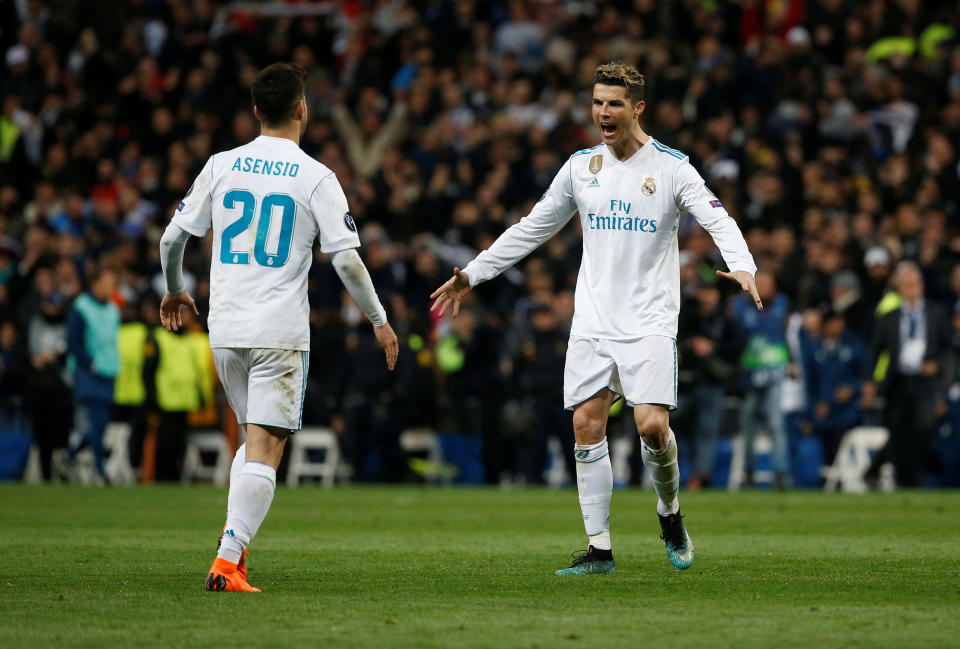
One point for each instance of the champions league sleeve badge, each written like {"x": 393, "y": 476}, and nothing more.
{"x": 649, "y": 188}
{"x": 349, "y": 222}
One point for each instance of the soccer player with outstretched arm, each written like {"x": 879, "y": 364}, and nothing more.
{"x": 267, "y": 201}
{"x": 629, "y": 191}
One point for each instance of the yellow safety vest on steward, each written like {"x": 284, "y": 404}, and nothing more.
{"x": 129, "y": 389}
{"x": 177, "y": 378}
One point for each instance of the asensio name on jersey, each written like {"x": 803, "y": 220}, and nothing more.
{"x": 266, "y": 202}
{"x": 629, "y": 281}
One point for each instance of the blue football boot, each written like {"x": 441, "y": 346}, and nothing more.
{"x": 678, "y": 542}
{"x": 590, "y": 562}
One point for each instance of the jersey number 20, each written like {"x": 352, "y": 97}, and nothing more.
{"x": 248, "y": 203}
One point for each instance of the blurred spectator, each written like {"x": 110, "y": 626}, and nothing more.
{"x": 92, "y": 327}
{"x": 469, "y": 357}
{"x": 174, "y": 382}
{"x": 830, "y": 130}
{"x": 130, "y": 389}
{"x": 47, "y": 396}
{"x": 710, "y": 346}
{"x": 372, "y": 425}
{"x": 846, "y": 299}
{"x": 538, "y": 372}
{"x": 765, "y": 360}
{"x": 11, "y": 365}
{"x": 906, "y": 367}
{"x": 367, "y": 140}
{"x": 833, "y": 382}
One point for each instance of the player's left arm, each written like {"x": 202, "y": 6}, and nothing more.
{"x": 692, "y": 196}
{"x": 356, "y": 279}
{"x": 338, "y": 237}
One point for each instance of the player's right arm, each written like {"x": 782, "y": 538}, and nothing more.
{"x": 193, "y": 217}
{"x": 338, "y": 237}
{"x": 547, "y": 217}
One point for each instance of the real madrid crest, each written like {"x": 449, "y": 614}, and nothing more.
{"x": 596, "y": 164}
{"x": 649, "y": 188}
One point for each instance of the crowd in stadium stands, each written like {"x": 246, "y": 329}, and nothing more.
{"x": 830, "y": 130}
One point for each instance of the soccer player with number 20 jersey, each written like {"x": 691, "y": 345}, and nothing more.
{"x": 266, "y": 202}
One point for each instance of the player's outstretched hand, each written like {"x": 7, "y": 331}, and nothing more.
{"x": 388, "y": 341}
{"x": 170, "y": 310}
{"x": 746, "y": 282}
{"x": 452, "y": 292}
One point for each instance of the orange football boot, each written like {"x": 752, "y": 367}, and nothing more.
{"x": 242, "y": 565}
{"x": 224, "y": 575}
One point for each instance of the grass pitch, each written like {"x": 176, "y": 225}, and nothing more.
{"x": 421, "y": 567}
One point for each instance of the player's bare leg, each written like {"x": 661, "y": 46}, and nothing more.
{"x": 249, "y": 500}
{"x": 659, "y": 452}
{"x": 594, "y": 485}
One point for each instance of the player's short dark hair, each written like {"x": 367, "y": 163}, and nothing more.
{"x": 621, "y": 74}
{"x": 276, "y": 90}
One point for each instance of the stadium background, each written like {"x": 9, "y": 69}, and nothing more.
{"x": 829, "y": 130}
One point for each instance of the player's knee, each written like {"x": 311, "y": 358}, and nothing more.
{"x": 653, "y": 424}
{"x": 587, "y": 429}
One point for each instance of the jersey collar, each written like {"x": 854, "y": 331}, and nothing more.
{"x": 269, "y": 139}
{"x": 636, "y": 154}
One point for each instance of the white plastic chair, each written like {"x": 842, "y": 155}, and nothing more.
{"x": 116, "y": 441}
{"x": 207, "y": 441}
{"x": 621, "y": 449}
{"x": 302, "y": 466}
{"x": 33, "y": 473}
{"x": 853, "y": 458}
{"x": 762, "y": 445}
{"x": 424, "y": 440}
{"x": 555, "y": 474}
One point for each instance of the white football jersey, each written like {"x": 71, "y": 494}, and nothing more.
{"x": 266, "y": 202}
{"x": 629, "y": 281}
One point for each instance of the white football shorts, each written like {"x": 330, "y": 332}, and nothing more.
{"x": 264, "y": 386}
{"x": 639, "y": 371}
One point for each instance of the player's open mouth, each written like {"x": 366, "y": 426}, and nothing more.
{"x": 608, "y": 129}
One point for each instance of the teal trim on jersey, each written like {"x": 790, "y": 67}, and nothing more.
{"x": 662, "y": 148}
{"x": 666, "y": 149}
{"x": 586, "y": 151}
{"x": 674, "y": 373}
{"x": 305, "y": 362}
{"x": 213, "y": 160}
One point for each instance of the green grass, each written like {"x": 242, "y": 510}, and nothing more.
{"x": 418, "y": 567}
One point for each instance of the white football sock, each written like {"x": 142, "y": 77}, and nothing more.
{"x": 595, "y": 486}
{"x": 601, "y": 541}
{"x": 239, "y": 459}
{"x": 665, "y": 474}
{"x": 251, "y": 498}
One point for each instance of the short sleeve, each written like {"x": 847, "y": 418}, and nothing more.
{"x": 328, "y": 204}
{"x": 194, "y": 211}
